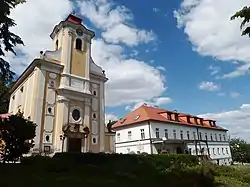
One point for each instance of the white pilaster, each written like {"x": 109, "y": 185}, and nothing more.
{"x": 87, "y": 123}
{"x": 39, "y": 106}
{"x": 68, "y": 52}
{"x": 87, "y": 67}
{"x": 102, "y": 118}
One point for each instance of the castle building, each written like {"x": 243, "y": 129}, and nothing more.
{"x": 153, "y": 130}
{"x": 63, "y": 93}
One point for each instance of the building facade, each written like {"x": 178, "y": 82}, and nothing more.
{"x": 63, "y": 93}
{"x": 152, "y": 130}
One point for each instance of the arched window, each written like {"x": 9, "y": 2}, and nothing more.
{"x": 78, "y": 44}
{"x": 56, "y": 44}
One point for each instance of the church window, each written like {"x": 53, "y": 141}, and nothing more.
{"x": 94, "y": 140}
{"x": 50, "y": 110}
{"x": 78, "y": 44}
{"x": 94, "y": 115}
{"x": 76, "y": 114}
{"x": 47, "y": 138}
{"x": 56, "y": 44}
{"x": 94, "y": 92}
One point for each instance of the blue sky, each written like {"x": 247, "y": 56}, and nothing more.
{"x": 183, "y": 55}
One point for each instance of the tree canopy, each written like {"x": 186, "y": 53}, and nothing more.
{"x": 8, "y": 40}
{"x": 240, "y": 150}
{"x": 244, "y": 13}
{"x": 17, "y": 133}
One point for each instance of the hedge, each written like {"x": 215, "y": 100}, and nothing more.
{"x": 118, "y": 162}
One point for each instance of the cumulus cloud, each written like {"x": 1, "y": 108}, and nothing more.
{"x": 115, "y": 21}
{"x": 35, "y": 20}
{"x": 111, "y": 117}
{"x": 211, "y": 32}
{"x": 236, "y": 121}
{"x": 158, "y": 101}
{"x": 208, "y": 86}
{"x": 129, "y": 78}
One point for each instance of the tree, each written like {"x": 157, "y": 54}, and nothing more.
{"x": 18, "y": 134}
{"x": 244, "y": 13}
{"x": 8, "y": 41}
{"x": 240, "y": 150}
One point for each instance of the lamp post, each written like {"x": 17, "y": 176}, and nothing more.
{"x": 62, "y": 138}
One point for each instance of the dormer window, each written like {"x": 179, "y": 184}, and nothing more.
{"x": 176, "y": 117}
{"x": 79, "y": 44}
{"x": 169, "y": 116}
{"x": 188, "y": 119}
{"x": 201, "y": 121}
{"x": 196, "y": 120}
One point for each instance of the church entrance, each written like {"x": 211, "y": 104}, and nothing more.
{"x": 74, "y": 145}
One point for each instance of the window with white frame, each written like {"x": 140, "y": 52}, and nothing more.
{"x": 214, "y": 151}
{"x": 222, "y": 150}
{"x": 227, "y": 150}
{"x": 215, "y": 137}
{"x": 211, "y": 136}
{"x": 205, "y": 136}
{"x": 142, "y": 134}
{"x": 157, "y": 133}
{"x": 188, "y": 136}
{"x": 220, "y": 137}
{"x": 174, "y": 134}
{"x": 224, "y": 137}
{"x": 194, "y": 135}
{"x": 166, "y": 133}
{"x": 129, "y": 135}
{"x": 218, "y": 151}
{"x": 181, "y": 134}
{"x": 200, "y": 135}
{"x": 118, "y": 136}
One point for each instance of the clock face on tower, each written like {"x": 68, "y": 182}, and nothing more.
{"x": 79, "y": 32}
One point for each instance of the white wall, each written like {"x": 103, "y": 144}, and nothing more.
{"x": 126, "y": 143}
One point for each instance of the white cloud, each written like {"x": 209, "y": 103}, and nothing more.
{"x": 236, "y": 121}
{"x": 211, "y": 32}
{"x": 111, "y": 117}
{"x": 234, "y": 94}
{"x": 221, "y": 94}
{"x": 158, "y": 101}
{"x": 156, "y": 9}
{"x": 209, "y": 86}
{"x": 214, "y": 70}
{"x": 115, "y": 21}
{"x": 35, "y": 21}
{"x": 129, "y": 79}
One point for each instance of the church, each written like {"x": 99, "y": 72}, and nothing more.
{"x": 63, "y": 92}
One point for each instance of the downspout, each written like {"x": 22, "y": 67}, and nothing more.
{"x": 150, "y": 139}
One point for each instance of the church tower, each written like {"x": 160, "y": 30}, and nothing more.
{"x": 63, "y": 93}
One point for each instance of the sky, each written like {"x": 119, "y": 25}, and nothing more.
{"x": 183, "y": 55}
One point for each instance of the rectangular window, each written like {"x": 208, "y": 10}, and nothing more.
{"x": 142, "y": 134}
{"x": 224, "y": 137}
{"x": 200, "y": 136}
{"x": 215, "y": 137}
{"x": 194, "y": 135}
{"x": 166, "y": 133}
{"x": 222, "y": 150}
{"x": 169, "y": 116}
{"x": 174, "y": 134}
{"x": 181, "y": 134}
{"x": 227, "y": 150}
{"x": 188, "y": 136}
{"x": 218, "y": 151}
{"x": 157, "y": 133}
{"x": 205, "y": 136}
{"x": 118, "y": 137}
{"x": 220, "y": 137}
{"x": 213, "y": 151}
{"x": 129, "y": 135}
{"x": 211, "y": 136}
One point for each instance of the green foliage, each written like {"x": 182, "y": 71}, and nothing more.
{"x": 8, "y": 41}
{"x": 18, "y": 134}
{"x": 240, "y": 150}
{"x": 244, "y": 13}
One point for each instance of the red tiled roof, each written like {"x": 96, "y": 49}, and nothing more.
{"x": 148, "y": 113}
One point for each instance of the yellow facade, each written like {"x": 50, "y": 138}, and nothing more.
{"x": 63, "y": 93}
